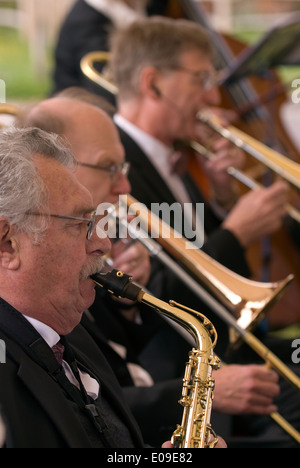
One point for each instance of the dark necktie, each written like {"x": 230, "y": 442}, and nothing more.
{"x": 58, "y": 351}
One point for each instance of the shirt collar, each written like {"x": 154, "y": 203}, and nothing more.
{"x": 157, "y": 152}
{"x": 46, "y": 332}
{"x": 117, "y": 11}
{"x": 52, "y": 338}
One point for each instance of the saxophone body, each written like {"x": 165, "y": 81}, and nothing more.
{"x": 195, "y": 430}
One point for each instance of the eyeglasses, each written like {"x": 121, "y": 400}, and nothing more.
{"x": 91, "y": 222}
{"x": 114, "y": 170}
{"x": 207, "y": 79}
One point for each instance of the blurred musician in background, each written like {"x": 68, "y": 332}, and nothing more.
{"x": 86, "y": 29}
{"x": 163, "y": 70}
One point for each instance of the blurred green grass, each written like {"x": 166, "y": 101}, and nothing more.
{"x": 22, "y": 82}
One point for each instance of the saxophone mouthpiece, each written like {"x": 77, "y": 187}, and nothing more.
{"x": 119, "y": 284}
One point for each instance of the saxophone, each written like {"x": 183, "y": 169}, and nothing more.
{"x": 195, "y": 430}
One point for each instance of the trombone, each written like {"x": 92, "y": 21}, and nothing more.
{"x": 283, "y": 166}
{"x": 247, "y": 300}
{"x": 240, "y": 176}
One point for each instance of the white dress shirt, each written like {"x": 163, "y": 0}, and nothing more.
{"x": 159, "y": 155}
{"x": 52, "y": 338}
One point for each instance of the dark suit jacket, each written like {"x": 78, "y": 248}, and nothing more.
{"x": 84, "y": 30}
{"x": 36, "y": 410}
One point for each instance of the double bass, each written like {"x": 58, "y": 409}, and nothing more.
{"x": 258, "y": 114}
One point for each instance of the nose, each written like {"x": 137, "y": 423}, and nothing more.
{"x": 121, "y": 185}
{"x": 99, "y": 243}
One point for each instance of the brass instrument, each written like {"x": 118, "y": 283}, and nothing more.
{"x": 102, "y": 79}
{"x": 9, "y": 109}
{"x": 255, "y": 298}
{"x": 278, "y": 163}
{"x": 195, "y": 430}
{"x": 247, "y": 300}
{"x": 235, "y": 173}
{"x": 249, "y": 311}
{"x": 235, "y": 292}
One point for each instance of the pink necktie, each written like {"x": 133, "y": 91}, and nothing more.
{"x": 58, "y": 351}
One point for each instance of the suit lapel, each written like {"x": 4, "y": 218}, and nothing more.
{"x": 17, "y": 331}
{"x": 45, "y": 391}
{"x": 19, "y": 335}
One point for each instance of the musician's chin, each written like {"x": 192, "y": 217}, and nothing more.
{"x": 88, "y": 292}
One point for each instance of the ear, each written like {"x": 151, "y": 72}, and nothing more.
{"x": 150, "y": 79}
{"x": 9, "y": 248}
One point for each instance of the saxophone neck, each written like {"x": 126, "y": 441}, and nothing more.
{"x": 197, "y": 325}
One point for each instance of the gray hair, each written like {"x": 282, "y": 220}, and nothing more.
{"x": 22, "y": 190}
{"x": 158, "y": 42}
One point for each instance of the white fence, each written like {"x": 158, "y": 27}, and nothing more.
{"x": 259, "y": 15}
{"x": 39, "y": 20}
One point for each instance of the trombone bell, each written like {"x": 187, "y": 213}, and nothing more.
{"x": 247, "y": 300}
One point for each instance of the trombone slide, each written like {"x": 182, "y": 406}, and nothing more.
{"x": 241, "y": 177}
{"x": 281, "y": 165}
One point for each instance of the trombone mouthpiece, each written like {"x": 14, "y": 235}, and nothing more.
{"x": 118, "y": 284}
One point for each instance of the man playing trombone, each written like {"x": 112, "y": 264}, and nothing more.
{"x": 164, "y": 73}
